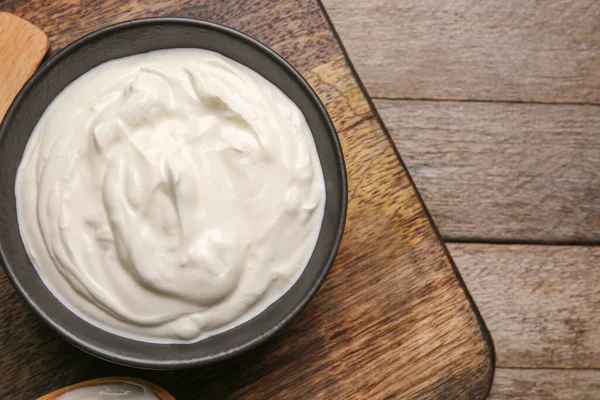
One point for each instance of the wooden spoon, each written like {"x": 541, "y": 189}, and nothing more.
{"x": 159, "y": 392}
{"x": 22, "y": 48}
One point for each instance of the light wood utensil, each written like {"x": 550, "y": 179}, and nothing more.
{"x": 22, "y": 48}
{"x": 159, "y": 392}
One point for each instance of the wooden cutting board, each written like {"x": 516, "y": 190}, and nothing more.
{"x": 392, "y": 320}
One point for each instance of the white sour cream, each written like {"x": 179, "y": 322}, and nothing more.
{"x": 170, "y": 196}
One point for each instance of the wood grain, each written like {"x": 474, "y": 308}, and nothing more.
{"x": 391, "y": 320}
{"x": 500, "y": 171}
{"x": 513, "y": 50}
{"x": 300, "y": 34}
{"x": 22, "y": 48}
{"x": 523, "y": 384}
{"x": 541, "y": 303}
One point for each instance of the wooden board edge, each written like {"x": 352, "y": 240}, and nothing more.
{"x": 485, "y": 333}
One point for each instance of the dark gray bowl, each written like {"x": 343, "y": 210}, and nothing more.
{"x": 141, "y": 36}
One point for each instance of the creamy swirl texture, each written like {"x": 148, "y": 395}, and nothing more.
{"x": 171, "y": 195}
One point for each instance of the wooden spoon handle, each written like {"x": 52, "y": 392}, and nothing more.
{"x": 22, "y": 48}
{"x": 161, "y": 393}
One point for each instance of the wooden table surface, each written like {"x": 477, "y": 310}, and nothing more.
{"x": 495, "y": 108}
{"x": 392, "y": 320}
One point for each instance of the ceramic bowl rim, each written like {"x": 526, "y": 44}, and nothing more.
{"x": 149, "y": 363}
